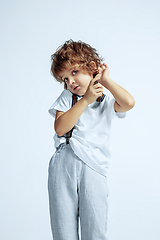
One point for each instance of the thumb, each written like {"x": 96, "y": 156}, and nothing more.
{"x": 96, "y": 78}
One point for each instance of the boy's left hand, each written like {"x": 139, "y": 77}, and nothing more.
{"x": 104, "y": 71}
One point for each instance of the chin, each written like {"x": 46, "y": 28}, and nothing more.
{"x": 79, "y": 93}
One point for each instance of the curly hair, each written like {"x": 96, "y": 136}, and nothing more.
{"x": 74, "y": 53}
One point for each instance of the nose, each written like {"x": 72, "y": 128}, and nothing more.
{"x": 71, "y": 81}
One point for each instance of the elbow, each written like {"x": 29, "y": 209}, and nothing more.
{"x": 59, "y": 132}
{"x": 58, "y": 129}
{"x": 131, "y": 103}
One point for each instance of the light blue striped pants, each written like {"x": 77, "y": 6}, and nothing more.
{"x": 76, "y": 192}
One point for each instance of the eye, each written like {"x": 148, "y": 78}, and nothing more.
{"x": 65, "y": 80}
{"x": 74, "y": 72}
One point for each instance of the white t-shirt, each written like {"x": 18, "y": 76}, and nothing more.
{"x": 90, "y": 139}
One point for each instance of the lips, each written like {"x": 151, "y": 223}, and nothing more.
{"x": 76, "y": 88}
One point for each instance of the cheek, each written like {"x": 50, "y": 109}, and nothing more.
{"x": 89, "y": 79}
{"x": 84, "y": 80}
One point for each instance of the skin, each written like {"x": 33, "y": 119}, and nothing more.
{"x": 82, "y": 83}
{"x": 124, "y": 100}
{"x": 79, "y": 80}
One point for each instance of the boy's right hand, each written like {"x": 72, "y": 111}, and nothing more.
{"x": 94, "y": 90}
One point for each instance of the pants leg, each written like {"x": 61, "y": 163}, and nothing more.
{"x": 63, "y": 198}
{"x": 76, "y": 191}
{"x": 93, "y": 204}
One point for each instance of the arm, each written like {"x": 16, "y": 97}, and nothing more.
{"x": 124, "y": 100}
{"x": 64, "y": 122}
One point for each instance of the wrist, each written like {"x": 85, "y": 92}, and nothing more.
{"x": 84, "y": 100}
{"x": 106, "y": 80}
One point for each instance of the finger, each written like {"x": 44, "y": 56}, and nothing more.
{"x": 99, "y": 93}
{"x": 103, "y": 68}
{"x": 97, "y": 85}
{"x": 105, "y": 65}
{"x": 95, "y": 80}
{"x": 99, "y": 89}
{"x": 100, "y": 69}
{"x": 98, "y": 76}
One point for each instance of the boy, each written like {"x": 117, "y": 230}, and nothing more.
{"x": 77, "y": 173}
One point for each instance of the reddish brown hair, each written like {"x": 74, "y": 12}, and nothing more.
{"x": 72, "y": 53}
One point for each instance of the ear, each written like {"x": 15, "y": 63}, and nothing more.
{"x": 65, "y": 86}
{"x": 93, "y": 65}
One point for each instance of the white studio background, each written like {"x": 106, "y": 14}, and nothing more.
{"x": 127, "y": 35}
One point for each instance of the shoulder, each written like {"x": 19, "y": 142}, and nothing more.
{"x": 65, "y": 93}
{"x": 65, "y": 97}
{"x": 108, "y": 101}
{"x": 62, "y": 103}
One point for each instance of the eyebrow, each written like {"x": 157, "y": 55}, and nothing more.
{"x": 71, "y": 68}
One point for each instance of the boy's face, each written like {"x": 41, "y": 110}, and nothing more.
{"x": 76, "y": 79}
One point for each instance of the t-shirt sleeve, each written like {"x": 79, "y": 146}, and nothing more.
{"x": 63, "y": 103}
{"x": 110, "y": 102}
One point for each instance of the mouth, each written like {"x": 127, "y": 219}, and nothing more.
{"x": 76, "y": 88}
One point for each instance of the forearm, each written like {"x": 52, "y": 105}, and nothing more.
{"x": 67, "y": 120}
{"x": 123, "y": 98}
